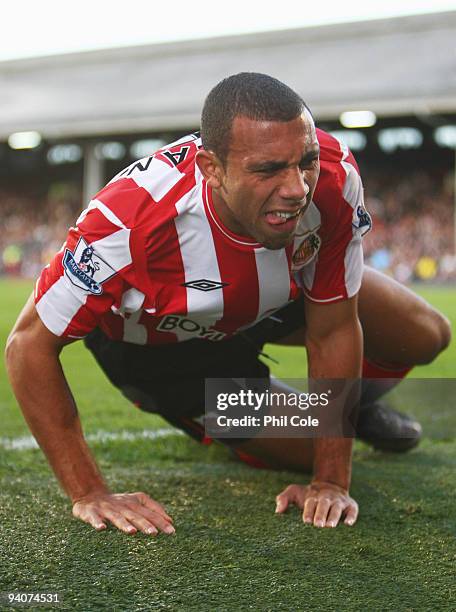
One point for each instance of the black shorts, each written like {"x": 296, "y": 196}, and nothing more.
{"x": 169, "y": 379}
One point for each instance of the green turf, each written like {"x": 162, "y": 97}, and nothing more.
{"x": 444, "y": 298}
{"x": 230, "y": 552}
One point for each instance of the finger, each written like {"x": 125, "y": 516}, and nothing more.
{"x": 281, "y": 503}
{"x": 119, "y": 521}
{"x": 309, "y": 510}
{"x": 150, "y": 515}
{"x": 293, "y": 494}
{"x": 142, "y": 524}
{"x": 154, "y": 519}
{"x": 351, "y": 514}
{"x": 334, "y": 514}
{"x": 91, "y": 517}
{"x": 94, "y": 519}
{"x": 150, "y": 503}
{"x": 321, "y": 512}
{"x": 298, "y": 495}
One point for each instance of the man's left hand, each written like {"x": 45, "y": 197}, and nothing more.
{"x": 323, "y": 503}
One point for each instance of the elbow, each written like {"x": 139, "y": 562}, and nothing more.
{"x": 320, "y": 350}
{"x": 29, "y": 346}
{"x": 347, "y": 338}
{"x": 314, "y": 346}
{"x": 18, "y": 350}
{"x": 12, "y": 349}
{"x": 337, "y": 355}
{"x": 29, "y": 342}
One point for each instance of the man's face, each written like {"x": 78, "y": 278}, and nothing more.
{"x": 268, "y": 179}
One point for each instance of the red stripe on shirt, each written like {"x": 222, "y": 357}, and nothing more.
{"x": 91, "y": 313}
{"x": 95, "y": 226}
{"x": 336, "y": 216}
{"x": 236, "y": 263}
{"x": 164, "y": 265}
{"x": 126, "y": 199}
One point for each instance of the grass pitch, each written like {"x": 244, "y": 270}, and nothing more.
{"x": 230, "y": 551}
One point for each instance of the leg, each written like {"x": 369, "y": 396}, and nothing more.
{"x": 400, "y": 328}
{"x": 146, "y": 385}
{"x": 295, "y": 454}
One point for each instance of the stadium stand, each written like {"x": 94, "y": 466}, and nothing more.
{"x": 401, "y": 69}
{"x": 413, "y": 222}
{"x": 412, "y": 241}
{"x": 32, "y": 229}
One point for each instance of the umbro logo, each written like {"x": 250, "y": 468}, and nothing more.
{"x": 204, "y": 285}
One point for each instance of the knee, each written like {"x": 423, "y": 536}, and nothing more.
{"x": 437, "y": 331}
{"x": 444, "y": 331}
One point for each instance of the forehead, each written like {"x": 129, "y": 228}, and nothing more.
{"x": 268, "y": 140}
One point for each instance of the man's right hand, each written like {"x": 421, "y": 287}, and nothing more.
{"x": 129, "y": 512}
{"x": 51, "y": 414}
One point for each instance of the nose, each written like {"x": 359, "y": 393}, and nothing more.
{"x": 294, "y": 186}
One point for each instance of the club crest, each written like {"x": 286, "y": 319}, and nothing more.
{"x": 306, "y": 251}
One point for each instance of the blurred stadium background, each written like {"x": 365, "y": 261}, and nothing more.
{"x": 387, "y": 88}
{"x": 68, "y": 123}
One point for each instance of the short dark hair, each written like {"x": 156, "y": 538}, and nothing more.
{"x": 251, "y": 94}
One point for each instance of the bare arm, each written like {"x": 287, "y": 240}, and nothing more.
{"x": 37, "y": 378}
{"x": 334, "y": 348}
{"x": 36, "y": 375}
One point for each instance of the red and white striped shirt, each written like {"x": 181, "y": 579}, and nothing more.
{"x": 150, "y": 262}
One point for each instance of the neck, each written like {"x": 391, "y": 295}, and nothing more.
{"x": 225, "y": 214}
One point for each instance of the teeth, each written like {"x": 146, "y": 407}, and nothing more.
{"x": 285, "y": 215}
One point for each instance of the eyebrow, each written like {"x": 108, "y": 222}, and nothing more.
{"x": 272, "y": 166}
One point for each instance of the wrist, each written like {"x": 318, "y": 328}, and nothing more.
{"x": 101, "y": 489}
{"x": 318, "y": 483}
{"x": 332, "y": 461}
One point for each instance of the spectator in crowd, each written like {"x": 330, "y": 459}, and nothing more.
{"x": 32, "y": 228}
{"x": 414, "y": 226}
{"x": 413, "y": 237}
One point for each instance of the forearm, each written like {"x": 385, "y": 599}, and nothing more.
{"x": 332, "y": 461}
{"x": 339, "y": 357}
{"x": 49, "y": 409}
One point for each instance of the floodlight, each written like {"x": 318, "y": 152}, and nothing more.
{"x": 356, "y": 141}
{"x": 358, "y": 119}
{"x": 24, "y": 140}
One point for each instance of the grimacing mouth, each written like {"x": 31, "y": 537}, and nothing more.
{"x": 287, "y": 214}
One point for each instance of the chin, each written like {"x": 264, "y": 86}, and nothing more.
{"x": 277, "y": 242}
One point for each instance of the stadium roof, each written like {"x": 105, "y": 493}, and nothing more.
{"x": 396, "y": 66}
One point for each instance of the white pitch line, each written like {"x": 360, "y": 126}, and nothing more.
{"x": 29, "y": 442}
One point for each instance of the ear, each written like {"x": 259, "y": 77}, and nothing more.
{"x": 211, "y": 168}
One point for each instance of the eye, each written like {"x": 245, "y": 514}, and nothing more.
{"x": 308, "y": 164}
{"x": 267, "y": 172}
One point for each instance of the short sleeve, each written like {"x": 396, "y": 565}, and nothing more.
{"x": 87, "y": 276}
{"x": 335, "y": 273}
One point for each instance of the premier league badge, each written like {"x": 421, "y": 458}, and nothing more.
{"x": 361, "y": 220}
{"x": 85, "y": 269}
